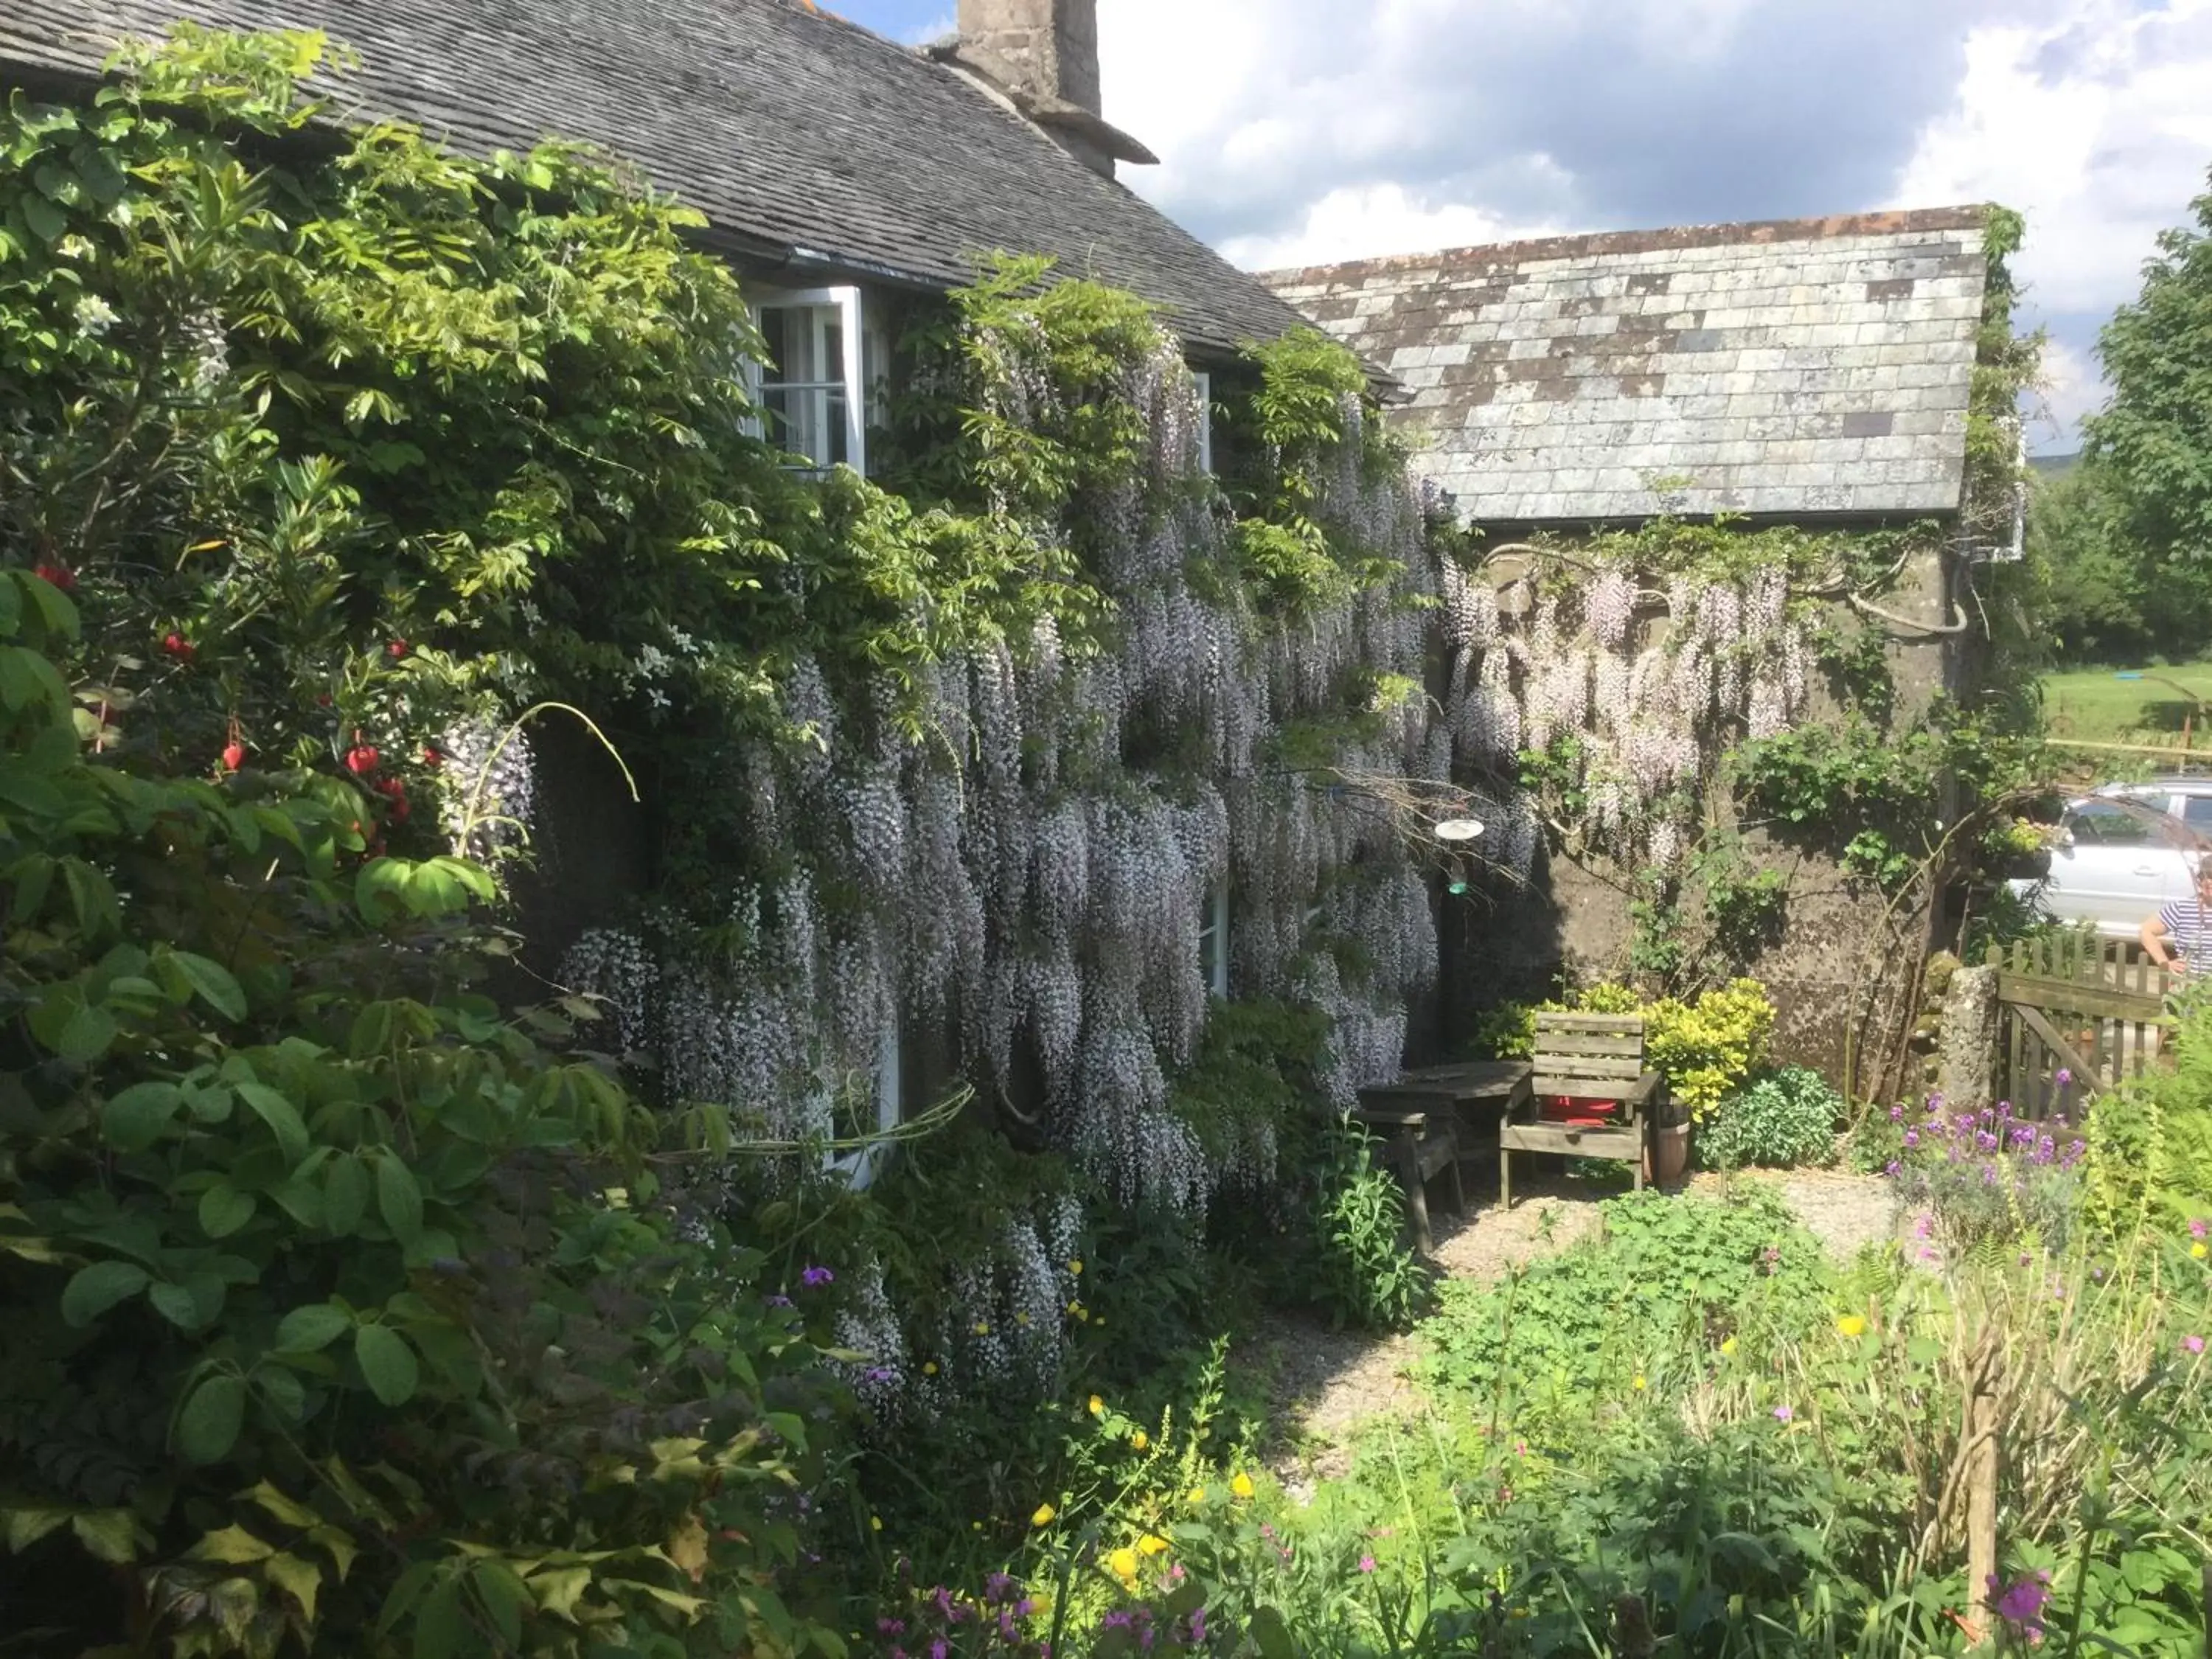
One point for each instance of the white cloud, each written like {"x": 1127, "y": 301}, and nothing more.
{"x": 2097, "y": 126}
{"x": 1369, "y": 220}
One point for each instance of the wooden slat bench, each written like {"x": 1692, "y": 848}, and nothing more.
{"x": 1593, "y": 1057}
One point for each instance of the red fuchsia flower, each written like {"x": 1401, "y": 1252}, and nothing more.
{"x": 233, "y": 756}
{"x": 432, "y": 756}
{"x": 361, "y": 759}
{"x": 56, "y": 575}
{"x": 396, "y": 649}
{"x": 178, "y": 647}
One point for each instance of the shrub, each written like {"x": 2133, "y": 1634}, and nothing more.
{"x": 1787, "y": 1117}
{"x": 1988, "y": 1178}
{"x": 342, "y": 1311}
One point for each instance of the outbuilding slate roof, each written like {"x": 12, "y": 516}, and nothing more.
{"x": 1798, "y": 368}
{"x": 801, "y": 135}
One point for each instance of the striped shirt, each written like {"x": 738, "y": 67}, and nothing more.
{"x": 2186, "y": 922}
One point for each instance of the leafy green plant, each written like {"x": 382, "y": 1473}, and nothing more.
{"x": 1367, "y": 1277}
{"x": 1785, "y": 1118}
{"x": 342, "y": 1310}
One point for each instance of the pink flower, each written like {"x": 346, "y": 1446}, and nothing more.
{"x": 2197, "y": 1228}
{"x": 1782, "y": 1413}
{"x": 2192, "y": 1344}
{"x": 1367, "y": 1563}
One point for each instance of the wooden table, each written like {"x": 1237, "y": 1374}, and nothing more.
{"x": 1429, "y": 1119}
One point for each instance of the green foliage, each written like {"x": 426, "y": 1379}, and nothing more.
{"x": 2155, "y": 434}
{"x": 1665, "y": 1270}
{"x": 1366, "y": 1276}
{"x": 2150, "y": 1144}
{"x": 342, "y": 1310}
{"x": 1785, "y": 1118}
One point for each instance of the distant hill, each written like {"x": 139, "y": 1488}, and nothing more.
{"x": 2054, "y": 466}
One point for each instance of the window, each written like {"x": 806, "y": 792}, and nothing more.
{"x": 1205, "y": 420}
{"x": 885, "y": 1092}
{"x": 2196, "y": 812}
{"x": 817, "y": 384}
{"x": 1213, "y": 940}
{"x": 2103, "y": 823}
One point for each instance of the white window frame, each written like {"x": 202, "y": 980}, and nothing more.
{"x": 1204, "y": 419}
{"x": 863, "y": 1164}
{"x": 1213, "y": 924}
{"x": 846, "y": 301}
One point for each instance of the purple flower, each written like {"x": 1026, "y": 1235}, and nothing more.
{"x": 1897, "y": 1114}
{"x": 2192, "y": 1344}
{"x": 938, "y": 1649}
{"x": 777, "y": 1301}
{"x": 2065, "y": 1077}
{"x": 1782, "y": 1413}
{"x": 1198, "y": 1627}
{"x": 1912, "y": 1137}
{"x": 1893, "y": 1167}
{"x": 814, "y": 1277}
{"x": 2021, "y": 1606}
{"x": 890, "y": 1626}
{"x": 1367, "y": 1563}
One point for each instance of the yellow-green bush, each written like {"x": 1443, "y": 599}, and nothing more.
{"x": 1707, "y": 1049}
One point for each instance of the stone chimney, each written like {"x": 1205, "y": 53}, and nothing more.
{"x": 1043, "y": 55}
{"x": 1050, "y": 46}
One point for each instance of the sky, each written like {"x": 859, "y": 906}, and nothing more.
{"x": 1304, "y": 131}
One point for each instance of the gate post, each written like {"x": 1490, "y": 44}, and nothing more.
{"x": 1967, "y": 1058}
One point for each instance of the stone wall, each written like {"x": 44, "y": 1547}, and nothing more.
{"x": 1834, "y": 954}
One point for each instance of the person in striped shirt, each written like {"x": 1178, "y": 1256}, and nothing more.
{"x": 2179, "y": 937}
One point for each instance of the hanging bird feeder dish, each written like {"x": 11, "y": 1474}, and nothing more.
{"x": 1459, "y": 830}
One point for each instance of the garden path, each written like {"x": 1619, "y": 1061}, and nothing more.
{"x": 1323, "y": 1384}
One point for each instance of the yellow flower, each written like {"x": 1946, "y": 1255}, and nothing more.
{"x": 1241, "y": 1484}
{"x": 1043, "y": 1516}
{"x": 1198, "y": 1494}
{"x": 1100, "y": 1322}
{"x": 1096, "y": 1405}
{"x": 1639, "y": 1382}
{"x": 1141, "y": 1440}
{"x": 974, "y": 1526}
{"x": 1076, "y": 1268}
{"x": 982, "y": 1328}
{"x": 875, "y": 1524}
{"x": 1123, "y": 1562}
{"x": 1152, "y": 1544}
{"x": 929, "y": 1368}
{"x": 1022, "y": 1320}
{"x": 1729, "y": 1346}
{"x": 2199, "y": 1249}
{"x": 1852, "y": 1325}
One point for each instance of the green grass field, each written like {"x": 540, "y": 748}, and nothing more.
{"x": 2096, "y": 705}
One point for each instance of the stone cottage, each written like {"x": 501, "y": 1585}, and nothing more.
{"x": 1814, "y": 373}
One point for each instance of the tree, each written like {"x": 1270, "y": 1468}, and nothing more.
{"x": 2156, "y": 434}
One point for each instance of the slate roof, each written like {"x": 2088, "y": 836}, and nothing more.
{"x": 798, "y": 134}
{"x": 1799, "y": 368}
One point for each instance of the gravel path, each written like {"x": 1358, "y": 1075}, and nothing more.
{"x": 1322, "y": 1384}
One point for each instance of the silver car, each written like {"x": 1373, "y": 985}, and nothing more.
{"x": 2123, "y": 852}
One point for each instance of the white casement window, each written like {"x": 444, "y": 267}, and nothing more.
{"x": 1204, "y": 419}
{"x": 861, "y": 1165}
{"x": 815, "y": 382}
{"x": 1213, "y": 940}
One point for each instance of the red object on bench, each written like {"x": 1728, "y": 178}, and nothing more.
{"x": 1578, "y": 1113}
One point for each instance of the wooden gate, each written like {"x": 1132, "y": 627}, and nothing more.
{"x": 2076, "y": 1005}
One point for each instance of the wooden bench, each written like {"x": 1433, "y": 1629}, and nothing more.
{"x": 1598, "y": 1058}
{"x": 1417, "y": 1145}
